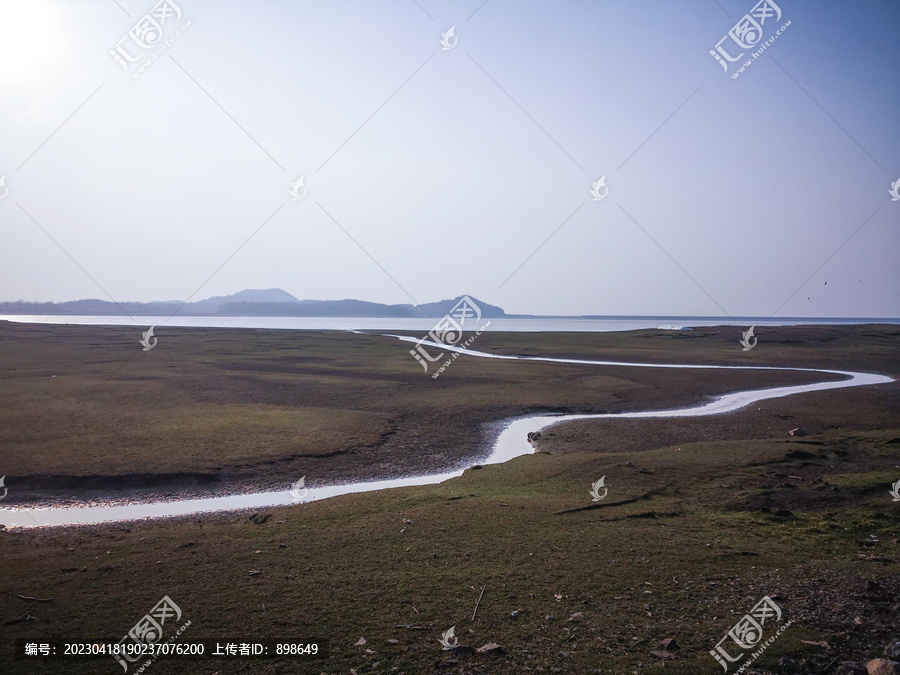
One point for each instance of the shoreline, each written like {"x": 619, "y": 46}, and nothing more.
{"x": 509, "y": 323}
{"x": 109, "y": 497}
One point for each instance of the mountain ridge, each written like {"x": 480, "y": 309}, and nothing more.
{"x": 249, "y": 302}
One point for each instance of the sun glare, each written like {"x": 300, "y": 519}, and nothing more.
{"x": 30, "y": 40}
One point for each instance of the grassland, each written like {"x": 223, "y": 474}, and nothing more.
{"x": 703, "y": 517}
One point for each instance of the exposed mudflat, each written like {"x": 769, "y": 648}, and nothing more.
{"x": 90, "y": 417}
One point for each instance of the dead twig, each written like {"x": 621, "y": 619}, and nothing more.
{"x": 644, "y": 514}
{"x": 603, "y": 505}
{"x": 478, "y": 603}
{"x": 28, "y": 597}
{"x": 25, "y": 617}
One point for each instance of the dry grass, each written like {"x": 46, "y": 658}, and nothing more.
{"x": 700, "y": 546}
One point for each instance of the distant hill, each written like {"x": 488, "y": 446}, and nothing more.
{"x": 315, "y": 308}
{"x": 268, "y": 302}
{"x": 270, "y": 295}
{"x": 441, "y": 307}
{"x": 350, "y": 308}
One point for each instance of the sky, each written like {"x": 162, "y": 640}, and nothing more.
{"x": 432, "y": 170}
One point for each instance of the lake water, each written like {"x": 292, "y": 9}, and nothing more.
{"x": 538, "y": 324}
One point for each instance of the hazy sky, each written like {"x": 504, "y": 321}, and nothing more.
{"x": 433, "y": 172}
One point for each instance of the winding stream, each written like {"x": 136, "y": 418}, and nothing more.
{"x": 512, "y": 442}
